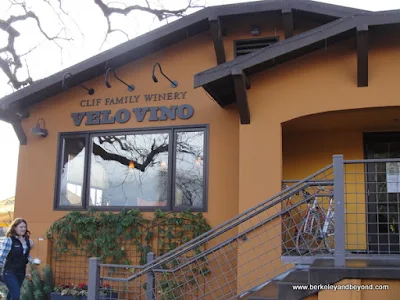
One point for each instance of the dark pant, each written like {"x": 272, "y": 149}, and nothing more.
{"x": 13, "y": 281}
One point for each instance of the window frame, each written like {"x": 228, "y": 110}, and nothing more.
{"x": 88, "y": 136}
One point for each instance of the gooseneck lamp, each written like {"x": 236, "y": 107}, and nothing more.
{"x": 174, "y": 83}
{"x": 131, "y": 87}
{"x": 64, "y": 85}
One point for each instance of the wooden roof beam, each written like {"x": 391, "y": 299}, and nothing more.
{"x": 216, "y": 33}
{"x": 239, "y": 82}
{"x": 16, "y": 124}
{"x": 362, "y": 55}
{"x": 287, "y": 20}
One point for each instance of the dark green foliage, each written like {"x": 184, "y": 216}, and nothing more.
{"x": 37, "y": 286}
{"x": 104, "y": 234}
{"x": 36, "y": 289}
{"x": 27, "y": 290}
{"x": 48, "y": 285}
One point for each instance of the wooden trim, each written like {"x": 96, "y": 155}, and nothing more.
{"x": 287, "y": 20}
{"x": 216, "y": 32}
{"x": 16, "y": 124}
{"x": 241, "y": 96}
{"x": 284, "y": 47}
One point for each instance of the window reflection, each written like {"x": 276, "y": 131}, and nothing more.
{"x": 189, "y": 180}
{"x": 134, "y": 170}
{"x": 72, "y": 172}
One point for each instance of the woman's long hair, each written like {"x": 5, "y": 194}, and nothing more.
{"x": 12, "y": 232}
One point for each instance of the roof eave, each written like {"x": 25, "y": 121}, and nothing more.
{"x": 95, "y": 66}
{"x": 211, "y": 79}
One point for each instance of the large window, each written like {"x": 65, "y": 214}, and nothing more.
{"x": 145, "y": 169}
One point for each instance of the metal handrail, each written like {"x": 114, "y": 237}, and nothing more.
{"x": 367, "y": 161}
{"x": 217, "y": 231}
{"x": 264, "y": 214}
{"x": 223, "y": 244}
{"x": 247, "y": 231}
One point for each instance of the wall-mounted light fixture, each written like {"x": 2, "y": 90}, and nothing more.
{"x": 39, "y": 131}
{"x": 131, "y": 87}
{"x": 64, "y": 85}
{"x": 174, "y": 83}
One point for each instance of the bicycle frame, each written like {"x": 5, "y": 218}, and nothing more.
{"x": 317, "y": 211}
{"x": 317, "y": 224}
{"x": 329, "y": 216}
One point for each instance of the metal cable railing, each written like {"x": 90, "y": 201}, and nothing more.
{"x": 241, "y": 254}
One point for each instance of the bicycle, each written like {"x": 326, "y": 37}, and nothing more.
{"x": 311, "y": 232}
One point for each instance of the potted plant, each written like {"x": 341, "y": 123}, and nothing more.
{"x": 70, "y": 291}
{"x": 79, "y": 291}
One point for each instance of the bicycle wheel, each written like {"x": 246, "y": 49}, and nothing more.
{"x": 329, "y": 236}
{"x": 309, "y": 237}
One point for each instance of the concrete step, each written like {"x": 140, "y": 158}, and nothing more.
{"x": 324, "y": 271}
{"x": 297, "y": 277}
{"x": 268, "y": 292}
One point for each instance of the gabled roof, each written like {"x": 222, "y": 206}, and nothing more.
{"x": 154, "y": 41}
{"x": 221, "y": 81}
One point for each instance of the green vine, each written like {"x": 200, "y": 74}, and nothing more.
{"x": 110, "y": 236}
{"x": 107, "y": 235}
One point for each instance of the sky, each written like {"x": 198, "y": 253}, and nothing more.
{"x": 89, "y": 37}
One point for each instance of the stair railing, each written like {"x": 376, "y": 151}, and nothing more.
{"x": 229, "y": 259}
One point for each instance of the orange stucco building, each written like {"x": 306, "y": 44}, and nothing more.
{"x": 255, "y": 94}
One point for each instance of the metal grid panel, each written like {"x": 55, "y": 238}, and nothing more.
{"x": 372, "y": 207}
{"x": 245, "y": 252}
{"x": 121, "y": 290}
{"x": 73, "y": 266}
{"x": 70, "y": 268}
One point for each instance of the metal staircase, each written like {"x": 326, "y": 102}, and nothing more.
{"x": 242, "y": 258}
{"x": 305, "y": 280}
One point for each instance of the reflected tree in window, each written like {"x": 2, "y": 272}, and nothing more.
{"x": 189, "y": 179}
{"x": 72, "y": 173}
{"x": 136, "y": 169}
{"x": 132, "y": 163}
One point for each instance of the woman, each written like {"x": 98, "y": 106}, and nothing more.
{"x": 14, "y": 255}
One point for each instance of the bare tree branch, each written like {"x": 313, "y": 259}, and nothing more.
{"x": 161, "y": 14}
{"x": 11, "y": 64}
{"x": 97, "y": 150}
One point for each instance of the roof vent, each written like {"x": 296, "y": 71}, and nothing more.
{"x": 243, "y": 47}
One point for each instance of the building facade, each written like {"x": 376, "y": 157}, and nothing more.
{"x": 256, "y": 94}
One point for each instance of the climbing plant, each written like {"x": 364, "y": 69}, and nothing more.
{"x": 104, "y": 234}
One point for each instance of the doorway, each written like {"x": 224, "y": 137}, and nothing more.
{"x": 383, "y": 192}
